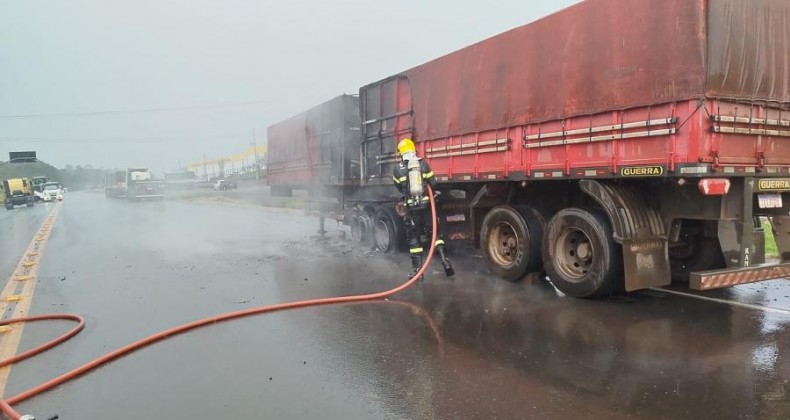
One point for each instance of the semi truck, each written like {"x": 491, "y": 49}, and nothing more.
{"x": 38, "y": 186}
{"x": 614, "y": 146}
{"x": 134, "y": 184}
{"x": 18, "y": 192}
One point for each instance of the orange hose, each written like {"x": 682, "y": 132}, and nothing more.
{"x": 6, "y": 404}
{"x": 46, "y": 346}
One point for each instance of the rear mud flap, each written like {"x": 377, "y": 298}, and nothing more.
{"x": 781, "y": 228}
{"x": 644, "y": 262}
{"x": 639, "y": 228}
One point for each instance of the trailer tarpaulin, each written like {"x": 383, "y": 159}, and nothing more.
{"x": 596, "y": 55}
{"x": 749, "y": 49}
{"x": 606, "y": 55}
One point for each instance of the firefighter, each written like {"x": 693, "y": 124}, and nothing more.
{"x": 411, "y": 175}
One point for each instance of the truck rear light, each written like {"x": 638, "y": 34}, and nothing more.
{"x": 714, "y": 186}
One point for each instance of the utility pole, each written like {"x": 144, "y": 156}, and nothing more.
{"x": 205, "y": 166}
{"x": 255, "y": 151}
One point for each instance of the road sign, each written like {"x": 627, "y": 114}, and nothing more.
{"x": 20, "y": 157}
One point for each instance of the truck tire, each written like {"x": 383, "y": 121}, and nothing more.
{"x": 580, "y": 255}
{"x": 387, "y": 230}
{"x": 700, "y": 254}
{"x": 511, "y": 242}
{"x": 538, "y": 218}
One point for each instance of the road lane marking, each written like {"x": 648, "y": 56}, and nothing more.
{"x": 724, "y": 301}
{"x": 23, "y": 278}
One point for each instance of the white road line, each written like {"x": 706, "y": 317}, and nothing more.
{"x": 724, "y": 301}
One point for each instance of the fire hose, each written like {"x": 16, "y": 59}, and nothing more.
{"x": 6, "y": 404}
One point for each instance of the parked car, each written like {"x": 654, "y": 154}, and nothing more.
{"x": 224, "y": 185}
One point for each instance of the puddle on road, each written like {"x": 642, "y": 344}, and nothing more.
{"x": 477, "y": 347}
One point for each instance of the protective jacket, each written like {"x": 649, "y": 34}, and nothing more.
{"x": 401, "y": 178}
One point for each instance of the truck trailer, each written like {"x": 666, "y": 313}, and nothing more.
{"x": 614, "y": 145}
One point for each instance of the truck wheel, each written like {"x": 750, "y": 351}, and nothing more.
{"x": 386, "y": 229}
{"x": 580, "y": 254}
{"x": 362, "y": 226}
{"x": 538, "y": 218}
{"x": 699, "y": 254}
{"x": 9, "y": 207}
{"x": 511, "y": 242}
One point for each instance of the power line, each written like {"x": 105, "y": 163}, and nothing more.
{"x": 130, "y": 111}
{"x": 117, "y": 140}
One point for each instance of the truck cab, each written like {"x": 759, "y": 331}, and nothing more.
{"x": 140, "y": 184}
{"x": 51, "y": 191}
{"x": 37, "y": 182}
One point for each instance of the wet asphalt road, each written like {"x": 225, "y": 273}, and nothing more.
{"x": 468, "y": 348}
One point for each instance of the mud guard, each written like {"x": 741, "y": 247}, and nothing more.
{"x": 781, "y": 228}
{"x": 641, "y": 231}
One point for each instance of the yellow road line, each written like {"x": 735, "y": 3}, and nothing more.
{"x": 24, "y": 277}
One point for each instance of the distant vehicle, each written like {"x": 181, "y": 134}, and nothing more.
{"x": 223, "y": 185}
{"x": 18, "y": 191}
{"x": 51, "y": 191}
{"x": 38, "y": 183}
{"x": 115, "y": 184}
{"x": 134, "y": 184}
{"x": 181, "y": 180}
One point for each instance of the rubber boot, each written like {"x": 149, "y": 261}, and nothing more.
{"x": 416, "y": 265}
{"x": 448, "y": 267}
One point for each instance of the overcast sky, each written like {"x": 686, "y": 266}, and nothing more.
{"x": 278, "y": 57}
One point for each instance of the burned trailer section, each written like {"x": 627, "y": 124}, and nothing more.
{"x": 387, "y": 117}
{"x": 321, "y": 151}
{"x": 316, "y": 149}
{"x": 318, "y": 152}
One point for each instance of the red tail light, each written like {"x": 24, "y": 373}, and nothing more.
{"x": 714, "y": 186}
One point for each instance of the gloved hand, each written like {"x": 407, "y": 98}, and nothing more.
{"x": 436, "y": 196}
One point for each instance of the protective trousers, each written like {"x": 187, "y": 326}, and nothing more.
{"x": 419, "y": 226}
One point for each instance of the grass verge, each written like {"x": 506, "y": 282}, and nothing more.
{"x": 770, "y": 243}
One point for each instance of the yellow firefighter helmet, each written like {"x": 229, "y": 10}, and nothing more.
{"x": 405, "y": 146}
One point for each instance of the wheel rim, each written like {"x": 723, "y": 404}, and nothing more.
{"x": 383, "y": 235}
{"x": 503, "y": 244}
{"x": 574, "y": 254}
{"x": 356, "y": 229}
